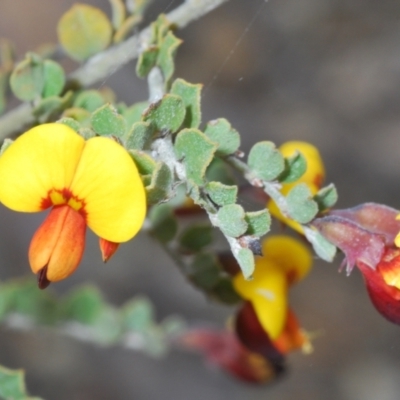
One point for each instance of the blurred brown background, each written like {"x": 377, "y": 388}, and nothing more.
{"x": 325, "y": 71}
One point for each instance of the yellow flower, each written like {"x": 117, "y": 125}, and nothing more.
{"x": 91, "y": 183}
{"x": 285, "y": 262}
{"x": 313, "y": 177}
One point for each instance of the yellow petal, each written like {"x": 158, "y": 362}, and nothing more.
{"x": 108, "y": 182}
{"x": 289, "y": 254}
{"x": 267, "y": 292}
{"x": 315, "y": 172}
{"x": 41, "y": 159}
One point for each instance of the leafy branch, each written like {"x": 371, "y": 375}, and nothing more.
{"x": 110, "y": 61}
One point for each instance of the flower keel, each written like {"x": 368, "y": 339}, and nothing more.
{"x": 57, "y": 246}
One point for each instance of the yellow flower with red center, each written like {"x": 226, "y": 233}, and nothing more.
{"x": 91, "y": 183}
{"x": 313, "y": 177}
{"x": 285, "y": 262}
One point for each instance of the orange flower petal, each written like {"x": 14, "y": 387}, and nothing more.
{"x": 58, "y": 244}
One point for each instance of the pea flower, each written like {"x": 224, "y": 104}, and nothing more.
{"x": 367, "y": 234}
{"x": 285, "y": 262}
{"x": 91, "y": 183}
{"x": 223, "y": 349}
{"x": 313, "y": 177}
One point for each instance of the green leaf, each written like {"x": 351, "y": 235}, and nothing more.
{"x": 259, "y": 222}
{"x": 295, "y": 167}
{"x": 196, "y": 152}
{"x": 144, "y": 163}
{"x": 137, "y": 6}
{"x": 134, "y": 113}
{"x": 6, "y": 144}
{"x": 27, "y": 79}
{"x": 4, "y": 78}
{"x": 165, "y": 60}
{"x": 25, "y": 298}
{"x": 204, "y": 271}
{"x": 300, "y": 205}
{"x": 224, "y": 292}
{"x": 7, "y": 54}
{"x": 245, "y": 258}
{"x": 106, "y": 329}
{"x": 126, "y": 28}
{"x": 51, "y": 107}
{"x": 167, "y": 114}
{"x": 221, "y": 194}
{"x": 326, "y": 197}
{"x": 266, "y": 161}
{"x": 54, "y": 78}
{"x": 160, "y": 185}
{"x": 190, "y": 94}
{"x": 221, "y": 132}
{"x": 159, "y": 29}
{"x": 78, "y": 114}
{"x": 84, "y": 31}
{"x": 138, "y": 315}
{"x": 139, "y": 136}
{"x": 12, "y": 385}
{"x": 118, "y": 13}
{"x": 173, "y": 326}
{"x": 322, "y": 247}
{"x": 90, "y": 100}
{"x": 107, "y": 121}
{"x": 84, "y": 305}
{"x": 196, "y": 237}
{"x": 218, "y": 171}
{"x": 232, "y": 220}
{"x": 72, "y": 123}
{"x": 163, "y": 222}
{"x": 146, "y": 61}
{"x": 86, "y": 133}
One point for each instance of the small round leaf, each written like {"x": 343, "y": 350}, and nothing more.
{"x": 84, "y": 31}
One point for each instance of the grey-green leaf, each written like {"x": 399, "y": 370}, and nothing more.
{"x": 107, "y": 121}
{"x": 232, "y": 220}
{"x": 326, "y": 197}
{"x": 295, "y": 166}
{"x": 163, "y": 222}
{"x": 167, "y": 114}
{"x": 196, "y": 237}
{"x": 221, "y": 194}
{"x": 245, "y": 258}
{"x": 322, "y": 247}
{"x": 259, "y": 222}
{"x": 300, "y": 205}
{"x": 221, "y": 132}
{"x": 196, "y": 152}
{"x": 139, "y": 136}
{"x": 190, "y": 94}
{"x": 266, "y": 161}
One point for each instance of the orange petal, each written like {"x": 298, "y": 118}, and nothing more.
{"x": 107, "y": 249}
{"x": 58, "y": 244}
{"x": 293, "y": 337}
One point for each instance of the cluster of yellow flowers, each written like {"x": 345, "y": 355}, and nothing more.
{"x": 95, "y": 183}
